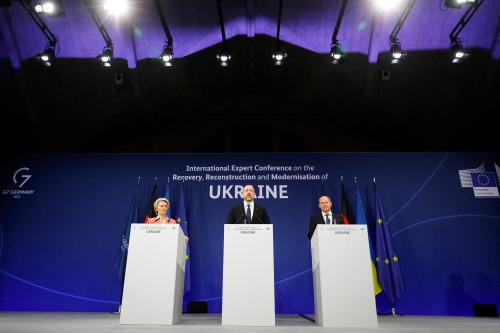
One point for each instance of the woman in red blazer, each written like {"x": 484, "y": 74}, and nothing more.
{"x": 161, "y": 207}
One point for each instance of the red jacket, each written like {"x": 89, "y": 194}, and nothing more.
{"x": 156, "y": 220}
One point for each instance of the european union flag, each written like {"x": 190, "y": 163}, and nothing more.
{"x": 483, "y": 179}
{"x": 361, "y": 219}
{"x": 389, "y": 275}
{"x": 133, "y": 217}
{"x": 167, "y": 196}
{"x": 180, "y": 213}
{"x": 484, "y": 184}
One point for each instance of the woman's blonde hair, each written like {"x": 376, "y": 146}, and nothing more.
{"x": 157, "y": 202}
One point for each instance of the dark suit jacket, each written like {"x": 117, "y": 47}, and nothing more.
{"x": 237, "y": 215}
{"x": 318, "y": 219}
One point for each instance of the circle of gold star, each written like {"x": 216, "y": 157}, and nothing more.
{"x": 483, "y": 179}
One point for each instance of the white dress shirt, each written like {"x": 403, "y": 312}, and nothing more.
{"x": 329, "y": 213}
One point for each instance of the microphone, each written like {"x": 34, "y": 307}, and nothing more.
{"x": 242, "y": 215}
{"x": 262, "y": 222}
{"x": 257, "y": 216}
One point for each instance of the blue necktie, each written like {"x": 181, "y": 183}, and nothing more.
{"x": 327, "y": 216}
{"x": 249, "y": 215}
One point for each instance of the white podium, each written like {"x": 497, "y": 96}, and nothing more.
{"x": 248, "y": 275}
{"x": 343, "y": 284}
{"x": 154, "y": 276}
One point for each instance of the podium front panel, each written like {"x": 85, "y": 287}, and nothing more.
{"x": 342, "y": 275}
{"x": 154, "y": 276}
{"x": 248, "y": 275}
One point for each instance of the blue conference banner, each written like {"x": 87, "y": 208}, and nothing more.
{"x": 62, "y": 218}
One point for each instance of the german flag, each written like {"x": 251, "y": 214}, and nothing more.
{"x": 344, "y": 208}
{"x": 154, "y": 195}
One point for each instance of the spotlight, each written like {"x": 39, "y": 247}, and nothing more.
{"x": 51, "y": 8}
{"x": 48, "y": 55}
{"x": 48, "y": 7}
{"x": 116, "y": 7}
{"x": 396, "y": 53}
{"x": 336, "y": 53}
{"x": 167, "y": 55}
{"x": 224, "y": 58}
{"x": 458, "y": 53}
{"x": 278, "y": 57}
{"x": 106, "y": 56}
{"x": 336, "y": 50}
{"x": 388, "y": 4}
{"x": 456, "y": 44}
{"x": 457, "y": 4}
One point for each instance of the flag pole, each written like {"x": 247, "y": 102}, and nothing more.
{"x": 394, "y": 284}
{"x": 121, "y": 295}
{"x": 393, "y": 308}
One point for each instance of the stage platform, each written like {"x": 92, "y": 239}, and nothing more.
{"x": 56, "y": 322}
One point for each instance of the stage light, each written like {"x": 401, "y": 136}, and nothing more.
{"x": 457, "y": 4}
{"x": 106, "y": 57}
{"x": 224, "y": 58}
{"x": 167, "y": 55}
{"x": 456, "y": 44}
{"x": 51, "y": 8}
{"x": 278, "y": 57}
{"x": 48, "y": 55}
{"x": 458, "y": 53}
{"x": 396, "y": 53}
{"x": 388, "y": 4}
{"x": 116, "y": 7}
{"x": 336, "y": 53}
{"x": 48, "y": 7}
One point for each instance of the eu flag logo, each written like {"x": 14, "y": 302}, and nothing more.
{"x": 484, "y": 184}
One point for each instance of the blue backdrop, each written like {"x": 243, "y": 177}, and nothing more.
{"x": 62, "y": 217}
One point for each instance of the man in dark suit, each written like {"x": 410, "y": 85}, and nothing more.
{"x": 325, "y": 217}
{"x": 248, "y": 212}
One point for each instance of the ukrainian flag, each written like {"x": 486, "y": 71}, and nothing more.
{"x": 361, "y": 219}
